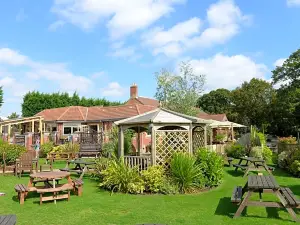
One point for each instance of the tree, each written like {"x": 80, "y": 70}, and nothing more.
{"x": 180, "y": 92}
{"x": 253, "y": 102}
{"x": 289, "y": 71}
{"x": 217, "y": 101}
{"x": 34, "y": 102}
{"x": 1, "y": 96}
{"x": 14, "y": 115}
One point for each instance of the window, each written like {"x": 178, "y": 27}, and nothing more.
{"x": 67, "y": 130}
{"x": 70, "y": 128}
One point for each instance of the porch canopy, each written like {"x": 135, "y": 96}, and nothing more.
{"x": 170, "y": 132}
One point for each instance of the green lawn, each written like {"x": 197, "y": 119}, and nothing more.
{"x": 98, "y": 207}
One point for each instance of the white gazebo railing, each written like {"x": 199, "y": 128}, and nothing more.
{"x": 141, "y": 162}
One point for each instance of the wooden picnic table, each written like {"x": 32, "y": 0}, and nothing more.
{"x": 81, "y": 166}
{"x": 265, "y": 184}
{"x": 251, "y": 164}
{"x": 46, "y": 177}
{"x": 8, "y": 220}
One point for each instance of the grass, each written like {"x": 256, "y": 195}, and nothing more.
{"x": 98, "y": 207}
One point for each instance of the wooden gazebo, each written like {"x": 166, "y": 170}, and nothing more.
{"x": 170, "y": 132}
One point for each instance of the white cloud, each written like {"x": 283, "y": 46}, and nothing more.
{"x": 293, "y": 3}
{"x": 123, "y": 16}
{"x": 57, "y": 24}
{"x": 223, "y": 71}
{"x": 98, "y": 75}
{"x": 279, "y": 62}
{"x": 125, "y": 52}
{"x": 114, "y": 89}
{"x": 223, "y": 21}
{"x": 12, "y": 57}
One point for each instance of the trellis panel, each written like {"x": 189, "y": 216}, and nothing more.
{"x": 198, "y": 138}
{"x": 169, "y": 142}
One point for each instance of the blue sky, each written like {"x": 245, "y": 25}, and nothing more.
{"x": 100, "y": 47}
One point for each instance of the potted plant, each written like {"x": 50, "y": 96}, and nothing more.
{"x": 220, "y": 138}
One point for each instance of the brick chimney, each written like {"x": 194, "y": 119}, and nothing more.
{"x": 133, "y": 91}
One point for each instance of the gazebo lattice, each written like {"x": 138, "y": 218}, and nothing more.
{"x": 170, "y": 132}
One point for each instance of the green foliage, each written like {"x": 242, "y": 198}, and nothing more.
{"x": 154, "y": 178}
{"x": 35, "y": 102}
{"x": 256, "y": 152}
{"x": 295, "y": 168}
{"x": 267, "y": 154}
{"x": 1, "y": 96}
{"x": 180, "y": 92}
{"x": 168, "y": 187}
{"x": 282, "y": 160}
{"x": 184, "y": 171}
{"x": 46, "y": 148}
{"x": 211, "y": 166}
{"x": 12, "y": 152}
{"x": 66, "y": 148}
{"x": 220, "y": 137}
{"x": 120, "y": 177}
{"x": 111, "y": 147}
{"x": 235, "y": 151}
{"x": 275, "y": 158}
{"x": 216, "y": 102}
{"x": 101, "y": 164}
{"x": 13, "y": 115}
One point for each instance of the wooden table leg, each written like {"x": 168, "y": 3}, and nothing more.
{"x": 243, "y": 205}
{"x": 239, "y": 164}
{"x": 267, "y": 168}
{"x": 285, "y": 204}
{"x": 247, "y": 171}
{"x": 83, "y": 171}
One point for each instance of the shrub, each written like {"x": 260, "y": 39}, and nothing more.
{"x": 184, "y": 171}
{"x": 211, "y": 166}
{"x": 154, "y": 178}
{"x": 220, "y": 137}
{"x": 295, "y": 168}
{"x": 120, "y": 177}
{"x": 71, "y": 147}
{"x": 275, "y": 158}
{"x": 267, "y": 154}
{"x": 12, "y": 152}
{"x": 168, "y": 187}
{"x": 282, "y": 160}
{"x": 256, "y": 152}
{"x": 235, "y": 151}
{"x": 46, "y": 148}
{"x": 287, "y": 140}
{"x": 101, "y": 164}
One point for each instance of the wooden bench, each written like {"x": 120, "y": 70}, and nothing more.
{"x": 237, "y": 194}
{"x": 55, "y": 196}
{"x": 8, "y": 220}
{"x": 22, "y": 191}
{"x": 243, "y": 167}
{"x": 78, "y": 186}
{"x": 88, "y": 149}
{"x": 289, "y": 196}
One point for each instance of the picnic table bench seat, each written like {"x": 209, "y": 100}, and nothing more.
{"x": 237, "y": 194}
{"x": 59, "y": 188}
{"x": 230, "y": 159}
{"x": 71, "y": 170}
{"x": 243, "y": 167}
{"x": 22, "y": 191}
{"x": 289, "y": 196}
{"x": 90, "y": 149}
{"x": 8, "y": 219}
{"x": 78, "y": 186}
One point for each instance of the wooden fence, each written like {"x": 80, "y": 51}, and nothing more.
{"x": 141, "y": 162}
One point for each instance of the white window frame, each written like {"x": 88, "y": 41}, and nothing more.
{"x": 72, "y": 126}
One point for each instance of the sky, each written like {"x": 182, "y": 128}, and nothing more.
{"x": 98, "y": 48}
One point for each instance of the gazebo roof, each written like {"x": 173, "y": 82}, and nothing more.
{"x": 164, "y": 116}
{"x": 224, "y": 124}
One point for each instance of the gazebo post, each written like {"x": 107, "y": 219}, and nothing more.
{"x": 138, "y": 140}
{"x": 153, "y": 145}
{"x": 121, "y": 142}
{"x": 190, "y": 139}
{"x": 205, "y": 136}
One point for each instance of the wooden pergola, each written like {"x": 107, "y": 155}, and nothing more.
{"x": 170, "y": 132}
{"x": 28, "y": 121}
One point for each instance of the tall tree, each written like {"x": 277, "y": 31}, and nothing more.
{"x": 34, "y": 102}
{"x": 14, "y": 115}
{"x": 253, "y": 102}
{"x": 180, "y": 92}
{"x": 217, "y": 101}
{"x": 1, "y": 96}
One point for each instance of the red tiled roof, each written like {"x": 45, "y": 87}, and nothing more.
{"x": 218, "y": 117}
{"x": 95, "y": 113}
{"x": 143, "y": 101}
